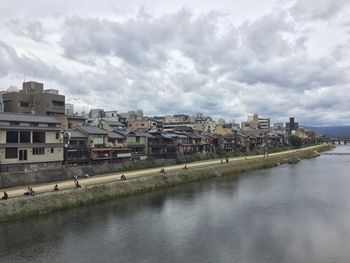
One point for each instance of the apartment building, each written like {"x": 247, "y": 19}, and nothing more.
{"x": 33, "y": 99}
{"x": 291, "y": 126}
{"x": 29, "y": 142}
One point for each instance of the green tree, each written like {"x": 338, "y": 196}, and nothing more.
{"x": 295, "y": 141}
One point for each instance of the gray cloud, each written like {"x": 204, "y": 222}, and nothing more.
{"x": 11, "y": 63}
{"x": 182, "y": 62}
{"x": 31, "y": 29}
{"x": 321, "y": 9}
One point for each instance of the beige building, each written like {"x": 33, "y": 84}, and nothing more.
{"x": 255, "y": 123}
{"x": 29, "y": 142}
{"x": 70, "y": 122}
{"x": 134, "y": 125}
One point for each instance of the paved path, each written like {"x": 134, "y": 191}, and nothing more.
{"x": 69, "y": 184}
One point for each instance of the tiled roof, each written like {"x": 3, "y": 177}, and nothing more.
{"x": 115, "y": 135}
{"x": 123, "y": 133}
{"x": 76, "y": 134}
{"x": 115, "y": 123}
{"x": 22, "y": 117}
{"x": 91, "y": 130}
{"x": 145, "y": 134}
{"x": 173, "y": 135}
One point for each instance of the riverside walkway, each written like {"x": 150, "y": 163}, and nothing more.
{"x": 112, "y": 177}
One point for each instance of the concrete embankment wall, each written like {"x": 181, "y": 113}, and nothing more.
{"x": 8, "y": 180}
{"x": 44, "y": 203}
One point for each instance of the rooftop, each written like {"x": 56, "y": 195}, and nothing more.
{"x": 76, "y": 134}
{"x": 91, "y": 130}
{"x": 22, "y": 117}
{"x": 114, "y": 135}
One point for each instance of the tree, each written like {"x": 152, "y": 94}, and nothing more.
{"x": 295, "y": 141}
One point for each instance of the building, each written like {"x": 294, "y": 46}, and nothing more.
{"x": 134, "y": 124}
{"x": 103, "y": 146}
{"x": 29, "y": 142}
{"x": 69, "y": 109}
{"x": 278, "y": 126}
{"x": 76, "y": 150}
{"x": 291, "y": 126}
{"x": 256, "y": 123}
{"x": 204, "y": 124}
{"x": 33, "y": 99}
{"x": 264, "y": 123}
{"x": 99, "y": 117}
{"x": 251, "y": 124}
{"x": 70, "y": 122}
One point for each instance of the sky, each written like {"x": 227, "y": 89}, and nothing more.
{"x": 223, "y": 58}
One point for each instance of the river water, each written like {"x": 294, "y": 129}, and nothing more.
{"x": 290, "y": 213}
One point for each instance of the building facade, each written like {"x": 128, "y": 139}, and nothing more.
{"x": 33, "y": 99}
{"x": 291, "y": 126}
{"x": 29, "y": 142}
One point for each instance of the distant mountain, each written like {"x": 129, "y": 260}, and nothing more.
{"x": 332, "y": 131}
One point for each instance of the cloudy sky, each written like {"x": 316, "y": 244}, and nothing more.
{"x": 224, "y": 58}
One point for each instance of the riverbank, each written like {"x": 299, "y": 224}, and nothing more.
{"x": 21, "y": 207}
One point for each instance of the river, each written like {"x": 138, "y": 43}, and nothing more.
{"x": 290, "y": 213}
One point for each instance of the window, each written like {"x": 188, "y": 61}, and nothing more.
{"x": 24, "y": 137}
{"x": 57, "y": 103}
{"x": 51, "y": 124}
{"x": 138, "y": 139}
{"x": 22, "y": 155}
{"x": 24, "y": 104}
{"x": 39, "y": 151}
{"x": 57, "y": 135}
{"x": 10, "y": 153}
{"x": 7, "y": 105}
{"x": 98, "y": 140}
{"x": 11, "y": 136}
{"x": 52, "y": 150}
{"x": 38, "y": 137}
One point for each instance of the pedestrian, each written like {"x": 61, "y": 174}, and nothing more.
{"x": 31, "y": 191}
{"x": 123, "y": 177}
{"x": 226, "y": 160}
{"x": 55, "y": 188}
{"x": 5, "y": 196}
{"x": 222, "y": 161}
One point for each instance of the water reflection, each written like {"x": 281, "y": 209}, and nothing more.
{"x": 291, "y": 213}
